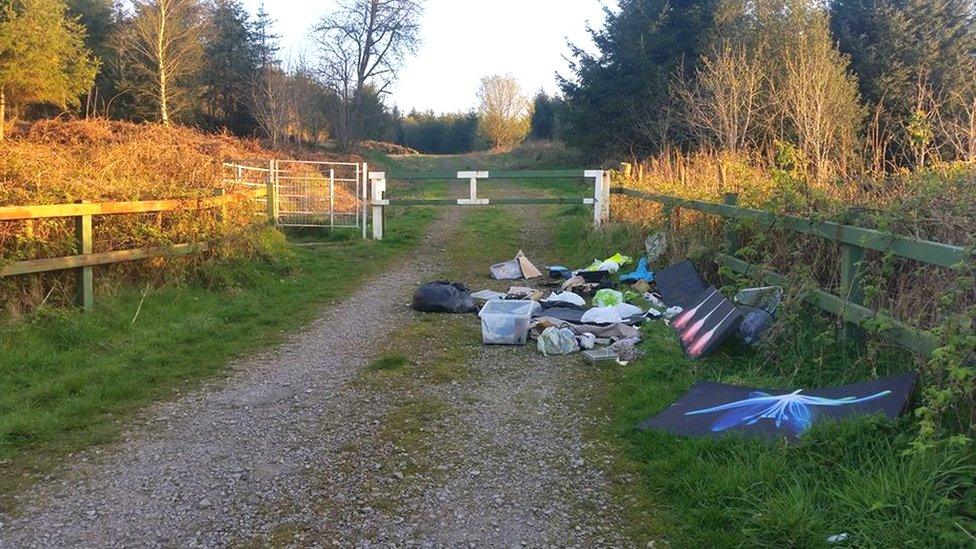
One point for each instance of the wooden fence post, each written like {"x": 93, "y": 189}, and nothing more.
{"x": 732, "y": 241}
{"x": 851, "y": 288}
{"x": 84, "y": 279}
{"x": 667, "y": 212}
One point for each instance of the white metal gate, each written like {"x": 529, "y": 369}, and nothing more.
{"x": 307, "y": 193}
{"x": 318, "y": 194}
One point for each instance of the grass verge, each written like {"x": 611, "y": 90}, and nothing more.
{"x": 853, "y": 477}
{"x": 68, "y": 380}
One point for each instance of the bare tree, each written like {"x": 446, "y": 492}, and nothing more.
{"x": 506, "y": 111}
{"x": 163, "y": 43}
{"x": 818, "y": 97}
{"x": 362, "y": 44}
{"x": 957, "y": 121}
{"x": 724, "y": 100}
{"x": 271, "y": 103}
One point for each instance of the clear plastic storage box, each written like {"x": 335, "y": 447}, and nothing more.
{"x": 505, "y": 322}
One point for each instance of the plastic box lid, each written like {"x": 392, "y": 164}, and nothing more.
{"x": 524, "y": 308}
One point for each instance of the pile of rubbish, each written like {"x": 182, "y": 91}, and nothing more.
{"x": 598, "y": 310}
{"x": 586, "y": 311}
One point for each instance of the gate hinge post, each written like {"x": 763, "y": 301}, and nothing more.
{"x": 272, "y": 192}
{"x": 378, "y": 186}
{"x": 601, "y": 195}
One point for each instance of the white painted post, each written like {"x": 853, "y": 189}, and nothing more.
{"x": 598, "y": 200}
{"x": 378, "y": 183}
{"x": 473, "y": 178}
{"x": 364, "y": 181}
{"x": 332, "y": 198}
{"x": 605, "y": 193}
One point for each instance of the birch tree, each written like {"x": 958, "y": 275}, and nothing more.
{"x": 163, "y": 44}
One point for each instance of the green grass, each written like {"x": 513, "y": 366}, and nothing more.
{"x": 389, "y": 361}
{"x": 67, "y": 380}
{"x": 852, "y": 477}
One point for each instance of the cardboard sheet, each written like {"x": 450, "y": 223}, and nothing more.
{"x": 708, "y": 321}
{"x": 715, "y": 409}
{"x": 679, "y": 284}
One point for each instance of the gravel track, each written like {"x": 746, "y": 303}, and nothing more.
{"x": 289, "y": 450}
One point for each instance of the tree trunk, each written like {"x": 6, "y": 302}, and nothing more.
{"x": 3, "y": 113}
{"x": 161, "y": 59}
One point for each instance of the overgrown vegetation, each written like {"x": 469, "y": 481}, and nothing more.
{"x": 68, "y": 380}
{"x": 865, "y": 478}
{"x": 57, "y": 162}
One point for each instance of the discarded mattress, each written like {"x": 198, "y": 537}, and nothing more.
{"x": 679, "y": 284}
{"x": 443, "y": 297}
{"x": 710, "y": 320}
{"x": 714, "y": 409}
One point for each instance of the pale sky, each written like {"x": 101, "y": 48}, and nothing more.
{"x": 464, "y": 40}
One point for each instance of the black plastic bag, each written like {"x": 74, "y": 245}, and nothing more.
{"x": 443, "y": 297}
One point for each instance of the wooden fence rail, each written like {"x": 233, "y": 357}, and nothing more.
{"x": 85, "y": 259}
{"x": 853, "y": 240}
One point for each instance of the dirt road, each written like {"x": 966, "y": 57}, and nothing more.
{"x": 305, "y": 445}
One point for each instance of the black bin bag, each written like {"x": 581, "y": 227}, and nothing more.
{"x": 443, "y": 297}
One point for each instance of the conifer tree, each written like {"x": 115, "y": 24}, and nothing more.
{"x": 42, "y": 55}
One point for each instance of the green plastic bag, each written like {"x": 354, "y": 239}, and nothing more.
{"x": 608, "y": 298}
{"x": 620, "y": 259}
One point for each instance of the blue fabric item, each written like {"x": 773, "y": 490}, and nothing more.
{"x": 642, "y": 273}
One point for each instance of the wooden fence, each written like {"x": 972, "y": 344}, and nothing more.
{"x": 85, "y": 259}
{"x": 853, "y": 240}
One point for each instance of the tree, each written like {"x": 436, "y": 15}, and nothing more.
{"x": 618, "y": 99}
{"x": 100, "y": 20}
{"x": 544, "y": 116}
{"x": 908, "y": 54}
{"x": 505, "y": 111}
{"x": 362, "y": 45}
{"x": 266, "y": 41}
{"x": 440, "y": 133}
{"x": 725, "y": 100}
{"x": 271, "y": 104}
{"x": 42, "y": 55}
{"x": 819, "y": 96}
{"x": 164, "y": 51}
{"x": 231, "y": 64}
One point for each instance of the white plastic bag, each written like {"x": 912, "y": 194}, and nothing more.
{"x": 557, "y": 341}
{"x": 601, "y": 315}
{"x": 626, "y": 310}
{"x": 566, "y": 297}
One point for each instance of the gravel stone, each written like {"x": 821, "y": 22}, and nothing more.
{"x": 285, "y": 450}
